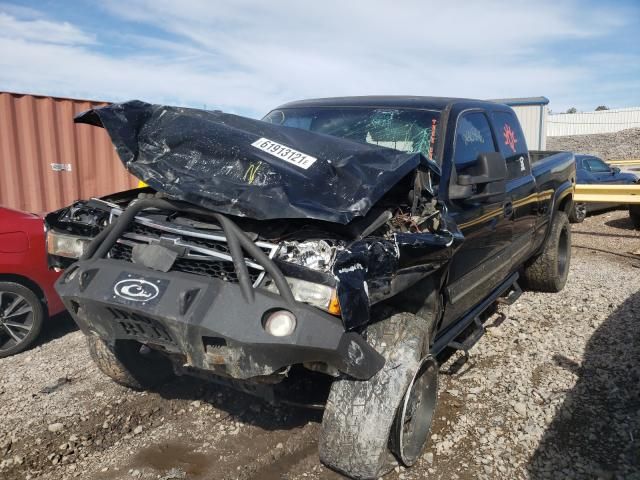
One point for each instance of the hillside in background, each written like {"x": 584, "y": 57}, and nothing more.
{"x": 622, "y": 145}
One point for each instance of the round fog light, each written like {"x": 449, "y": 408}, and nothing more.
{"x": 280, "y": 323}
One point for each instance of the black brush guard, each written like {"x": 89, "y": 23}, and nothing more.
{"x": 207, "y": 323}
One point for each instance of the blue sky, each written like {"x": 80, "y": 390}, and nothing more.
{"x": 247, "y": 56}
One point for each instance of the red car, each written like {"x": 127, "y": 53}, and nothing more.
{"x": 27, "y": 295}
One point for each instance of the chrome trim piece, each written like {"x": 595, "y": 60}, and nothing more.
{"x": 205, "y": 254}
{"x": 272, "y": 254}
{"x": 191, "y": 232}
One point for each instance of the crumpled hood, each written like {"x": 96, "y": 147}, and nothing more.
{"x": 250, "y": 168}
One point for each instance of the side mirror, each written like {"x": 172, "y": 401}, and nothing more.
{"x": 484, "y": 178}
{"x": 488, "y": 168}
{"x": 615, "y": 170}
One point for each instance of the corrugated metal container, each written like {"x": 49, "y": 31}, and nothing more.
{"x": 532, "y": 114}
{"x": 603, "y": 121}
{"x": 533, "y": 121}
{"x": 47, "y": 160}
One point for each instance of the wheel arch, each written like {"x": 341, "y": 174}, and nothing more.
{"x": 562, "y": 201}
{"x": 566, "y": 204}
{"x": 430, "y": 306}
{"x": 28, "y": 283}
{"x": 563, "y": 198}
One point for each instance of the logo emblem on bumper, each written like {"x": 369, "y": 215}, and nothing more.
{"x": 136, "y": 290}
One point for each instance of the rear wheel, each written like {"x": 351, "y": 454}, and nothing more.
{"x": 548, "y": 271}
{"x": 21, "y": 317}
{"x": 126, "y": 365}
{"x": 366, "y": 422}
{"x": 578, "y": 213}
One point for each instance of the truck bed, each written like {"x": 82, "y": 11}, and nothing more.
{"x": 539, "y": 155}
{"x": 552, "y": 169}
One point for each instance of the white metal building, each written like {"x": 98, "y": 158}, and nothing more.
{"x": 532, "y": 113}
{"x": 603, "y": 121}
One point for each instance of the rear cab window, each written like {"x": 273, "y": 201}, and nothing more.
{"x": 512, "y": 144}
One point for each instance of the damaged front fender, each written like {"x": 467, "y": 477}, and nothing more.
{"x": 374, "y": 269}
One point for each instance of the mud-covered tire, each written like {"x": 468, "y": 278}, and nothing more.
{"x": 634, "y": 215}
{"x": 548, "y": 271}
{"x": 578, "y": 213}
{"x": 124, "y": 363}
{"x": 359, "y": 415}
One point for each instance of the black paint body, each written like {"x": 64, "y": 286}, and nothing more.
{"x": 478, "y": 245}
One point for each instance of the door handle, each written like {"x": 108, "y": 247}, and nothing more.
{"x": 508, "y": 209}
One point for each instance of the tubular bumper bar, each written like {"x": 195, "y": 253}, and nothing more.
{"x": 209, "y": 323}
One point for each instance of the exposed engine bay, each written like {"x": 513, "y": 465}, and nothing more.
{"x": 348, "y": 266}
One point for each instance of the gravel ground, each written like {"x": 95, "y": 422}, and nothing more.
{"x": 622, "y": 145}
{"x": 550, "y": 392}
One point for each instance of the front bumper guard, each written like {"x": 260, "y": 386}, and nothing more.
{"x": 209, "y": 323}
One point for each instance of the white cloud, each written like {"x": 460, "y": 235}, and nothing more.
{"x": 248, "y": 56}
{"x": 40, "y": 30}
{"x": 20, "y": 11}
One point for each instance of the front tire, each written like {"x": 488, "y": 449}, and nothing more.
{"x": 21, "y": 317}
{"x": 360, "y": 415}
{"x": 548, "y": 271}
{"x": 125, "y": 365}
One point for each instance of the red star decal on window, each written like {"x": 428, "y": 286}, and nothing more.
{"x": 509, "y": 137}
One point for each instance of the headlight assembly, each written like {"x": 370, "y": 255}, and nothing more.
{"x": 317, "y": 255}
{"x": 315, "y": 294}
{"x": 314, "y": 254}
{"x": 66, "y": 245}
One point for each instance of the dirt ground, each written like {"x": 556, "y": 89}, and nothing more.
{"x": 550, "y": 392}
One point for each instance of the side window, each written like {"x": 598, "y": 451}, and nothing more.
{"x": 473, "y": 137}
{"x": 583, "y": 164}
{"x": 512, "y": 144}
{"x": 596, "y": 165}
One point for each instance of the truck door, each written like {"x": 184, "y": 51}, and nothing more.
{"x": 482, "y": 261}
{"x": 522, "y": 193}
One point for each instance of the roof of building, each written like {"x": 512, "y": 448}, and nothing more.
{"x": 519, "y": 102}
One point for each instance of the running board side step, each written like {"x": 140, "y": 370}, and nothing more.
{"x": 512, "y": 295}
{"x": 469, "y": 340}
{"x": 457, "y": 337}
{"x": 466, "y": 341}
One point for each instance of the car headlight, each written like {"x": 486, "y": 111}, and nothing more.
{"x": 66, "y": 245}
{"x": 315, "y": 294}
{"x": 314, "y": 254}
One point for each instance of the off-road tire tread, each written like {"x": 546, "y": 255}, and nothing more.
{"x": 542, "y": 275}
{"x": 359, "y": 415}
{"x": 114, "y": 361}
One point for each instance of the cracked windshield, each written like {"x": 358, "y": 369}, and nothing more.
{"x": 401, "y": 129}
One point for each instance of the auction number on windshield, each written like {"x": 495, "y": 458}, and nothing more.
{"x": 285, "y": 153}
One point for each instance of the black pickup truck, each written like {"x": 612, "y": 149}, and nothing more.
{"x": 355, "y": 239}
